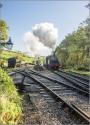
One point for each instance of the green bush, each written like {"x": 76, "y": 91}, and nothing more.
{"x": 10, "y": 101}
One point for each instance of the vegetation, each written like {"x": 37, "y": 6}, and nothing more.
{"x": 79, "y": 72}
{"x": 10, "y": 106}
{"x": 23, "y": 58}
{"x": 74, "y": 49}
{"x": 10, "y": 102}
{"x": 3, "y": 30}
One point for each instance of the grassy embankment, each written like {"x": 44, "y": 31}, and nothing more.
{"x": 10, "y": 101}
{"x": 21, "y": 56}
{"x": 78, "y": 71}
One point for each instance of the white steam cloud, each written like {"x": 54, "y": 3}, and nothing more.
{"x": 42, "y": 39}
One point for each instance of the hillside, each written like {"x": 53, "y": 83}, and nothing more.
{"x": 5, "y": 55}
{"x": 21, "y": 56}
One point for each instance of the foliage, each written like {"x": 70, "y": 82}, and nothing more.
{"x": 3, "y": 30}
{"x": 10, "y": 105}
{"x": 74, "y": 49}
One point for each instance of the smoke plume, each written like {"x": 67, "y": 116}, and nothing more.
{"x": 42, "y": 39}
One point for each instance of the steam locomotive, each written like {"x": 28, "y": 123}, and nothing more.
{"x": 52, "y": 62}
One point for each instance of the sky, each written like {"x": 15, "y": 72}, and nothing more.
{"x": 22, "y": 15}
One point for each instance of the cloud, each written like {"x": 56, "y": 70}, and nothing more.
{"x": 42, "y": 39}
{"x": 34, "y": 46}
{"x": 47, "y": 33}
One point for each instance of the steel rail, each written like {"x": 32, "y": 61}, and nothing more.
{"x": 58, "y": 97}
{"x": 76, "y": 75}
{"x": 79, "y": 79}
{"x": 55, "y": 95}
{"x": 74, "y": 81}
{"x": 85, "y": 92}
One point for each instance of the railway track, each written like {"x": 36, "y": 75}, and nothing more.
{"x": 47, "y": 114}
{"x": 78, "y": 76}
{"x": 69, "y": 83}
{"x": 61, "y": 92}
{"x": 29, "y": 109}
{"x": 75, "y": 81}
{"x": 84, "y": 77}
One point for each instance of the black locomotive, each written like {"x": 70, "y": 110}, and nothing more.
{"x": 52, "y": 62}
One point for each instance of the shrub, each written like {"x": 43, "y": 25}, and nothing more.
{"x": 10, "y": 102}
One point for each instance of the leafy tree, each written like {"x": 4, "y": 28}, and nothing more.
{"x": 74, "y": 49}
{"x": 3, "y": 31}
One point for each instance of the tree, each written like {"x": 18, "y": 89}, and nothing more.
{"x": 74, "y": 49}
{"x": 3, "y": 34}
{"x": 3, "y": 31}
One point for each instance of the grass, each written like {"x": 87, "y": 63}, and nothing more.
{"x": 80, "y": 72}
{"x": 5, "y": 54}
{"x": 21, "y": 56}
{"x": 10, "y": 101}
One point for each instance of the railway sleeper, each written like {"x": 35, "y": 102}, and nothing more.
{"x": 64, "y": 84}
{"x": 58, "y": 98}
